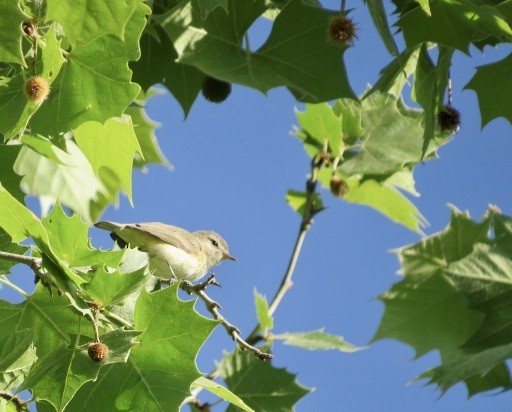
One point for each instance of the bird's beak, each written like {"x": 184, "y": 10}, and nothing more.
{"x": 227, "y": 256}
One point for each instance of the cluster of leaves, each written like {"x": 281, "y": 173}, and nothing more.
{"x": 455, "y": 298}
{"x": 80, "y": 144}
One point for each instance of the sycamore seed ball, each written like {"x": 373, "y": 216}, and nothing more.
{"x": 214, "y": 90}
{"x": 342, "y": 31}
{"x": 97, "y": 351}
{"x": 37, "y": 89}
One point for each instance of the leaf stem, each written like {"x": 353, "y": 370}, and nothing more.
{"x": 117, "y": 318}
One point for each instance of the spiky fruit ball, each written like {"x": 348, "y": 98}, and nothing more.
{"x": 338, "y": 186}
{"x": 215, "y": 90}
{"x": 97, "y": 351}
{"x": 37, "y": 89}
{"x": 342, "y": 31}
{"x": 449, "y": 119}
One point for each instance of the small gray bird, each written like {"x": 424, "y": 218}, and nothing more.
{"x": 173, "y": 252}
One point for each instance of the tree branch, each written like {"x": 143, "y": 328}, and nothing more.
{"x": 20, "y": 404}
{"x": 310, "y": 210}
{"x": 213, "y": 307}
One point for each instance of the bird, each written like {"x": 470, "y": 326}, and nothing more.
{"x": 173, "y": 252}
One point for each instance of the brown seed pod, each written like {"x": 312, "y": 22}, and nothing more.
{"x": 214, "y": 90}
{"x": 449, "y": 119}
{"x": 97, "y": 351}
{"x": 37, "y": 89}
{"x": 342, "y": 31}
{"x": 338, "y": 186}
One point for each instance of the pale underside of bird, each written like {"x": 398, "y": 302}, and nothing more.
{"x": 173, "y": 252}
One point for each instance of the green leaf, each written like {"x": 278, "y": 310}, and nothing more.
{"x": 387, "y": 200}
{"x": 11, "y": 34}
{"x": 17, "y": 355}
{"x": 455, "y": 298}
{"x": 430, "y": 84}
{"x": 86, "y": 20}
{"x": 72, "y": 181}
{"x": 49, "y": 318}
{"x": 111, "y": 288}
{"x": 15, "y": 109}
{"x": 321, "y": 123}
{"x": 395, "y": 75}
{"x": 261, "y": 386}
{"x": 427, "y": 313}
{"x": 205, "y": 7}
{"x": 453, "y": 23}
{"x": 6, "y": 245}
{"x": 479, "y": 365}
{"x": 214, "y": 46}
{"x": 8, "y": 179}
{"x": 492, "y": 85}
{"x": 316, "y": 340}
{"x": 20, "y": 223}
{"x": 110, "y": 146}
{"x": 92, "y": 89}
{"x": 221, "y": 392}
{"x": 69, "y": 240}
{"x": 144, "y": 131}
{"x": 393, "y": 138}
{"x": 160, "y": 370}
{"x": 380, "y": 20}
{"x": 265, "y": 319}
{"x": 59, "y": 375}
{"x": 298, "y": 201}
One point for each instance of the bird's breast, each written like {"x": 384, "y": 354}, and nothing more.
{"x": 169, "y": 261}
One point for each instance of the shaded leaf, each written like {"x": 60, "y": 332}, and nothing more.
{"x": 492, "y": 85}
{"x": 6, "y": 245}
{"x": 8, "y": 178}
{"x": 11, "y": 33}
{"x": 17, "y": 355}
{"x": 380, "y": 20}
{"x": 453, "y": 24}
{"x": 260, "y": 385}
{"x": 305, "y": 62}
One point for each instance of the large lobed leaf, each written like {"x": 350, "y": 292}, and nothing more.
{"x": 455, "y": 298}
{"x": 161, "y": 369}
{"x": 260, "y": 385}
{"x": 303, "y": 60}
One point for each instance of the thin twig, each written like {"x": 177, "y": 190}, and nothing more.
{"x": 213, "y": 307}
{"x": 33, "y": 262}
{"x": 450, "y": 92}
{"x": 19, "y": 403}
{"x": 310, "y": 210}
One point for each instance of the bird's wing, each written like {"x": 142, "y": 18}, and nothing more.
{"x": 168, "y": 234}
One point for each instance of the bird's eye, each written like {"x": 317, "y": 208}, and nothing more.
{"x": 214, "y": 242}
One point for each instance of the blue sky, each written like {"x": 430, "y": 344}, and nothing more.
{"x": 233, "y": 164}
